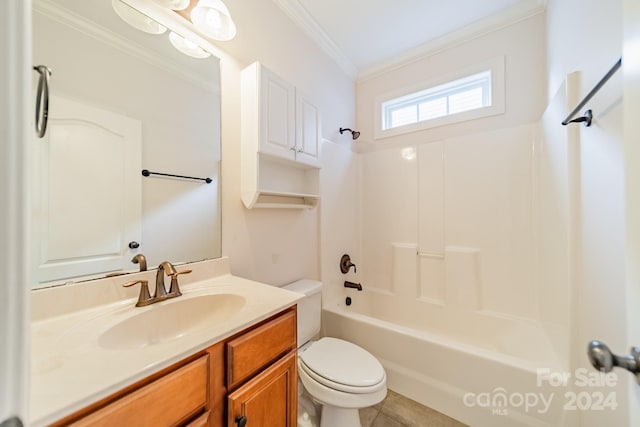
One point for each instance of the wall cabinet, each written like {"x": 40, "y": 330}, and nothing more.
{"x": 250, "y": 376}
{"x": 280, "y": 142}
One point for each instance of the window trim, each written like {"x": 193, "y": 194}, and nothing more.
{"x": 494, "y": 65}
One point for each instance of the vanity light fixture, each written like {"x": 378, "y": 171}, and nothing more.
{"x": 173, "y": 4}
{"x": 213, "y": 19}
{"x": 137, "y": 19}
{"x": 187, "y": 46}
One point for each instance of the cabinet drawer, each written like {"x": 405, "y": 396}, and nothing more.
{"x": 249, "y": 353}
{"x": 164, "y": 402}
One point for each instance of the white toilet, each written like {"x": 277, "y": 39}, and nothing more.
{"x": 339, "y": 375}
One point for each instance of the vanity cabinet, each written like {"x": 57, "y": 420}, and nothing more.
{"x": 251, "y": 374}
{"x": 262, "y": 376}
{"x": 269, "y": 399}
{"x": 280, "y": 142}
{"x": 173, "y": 399}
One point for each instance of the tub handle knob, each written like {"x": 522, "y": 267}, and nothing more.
{"x": 346, "y": 264}
{"x": 604, "y": 360}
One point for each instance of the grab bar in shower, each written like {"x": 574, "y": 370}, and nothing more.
{"x": 588, "y": 115}
{"x": 42, "y": 99}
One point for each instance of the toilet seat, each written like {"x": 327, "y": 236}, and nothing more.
{"x": 342, "y": 366}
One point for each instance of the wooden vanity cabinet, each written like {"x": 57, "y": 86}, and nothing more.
{"x": 262, "y": 376}
{"x": 252, "y": 374}
{"x": 269, "y": 399}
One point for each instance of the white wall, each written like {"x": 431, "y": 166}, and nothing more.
{"x": 273, "y": 245}
{"x": 522, "y": 45}
{"x": 587, "y": 37}
{"x": 462, "y": 192}
{"x": 341, "y": 217}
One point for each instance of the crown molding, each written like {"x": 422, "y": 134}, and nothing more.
{"x": 78, "y": 22}
{"x": 516, "y": 13}
{"x": 298, "y": 14}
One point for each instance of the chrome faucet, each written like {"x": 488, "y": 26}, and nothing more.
{"x": 160, "y": 293}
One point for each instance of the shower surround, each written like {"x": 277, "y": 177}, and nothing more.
{"x": 464, "y": 263}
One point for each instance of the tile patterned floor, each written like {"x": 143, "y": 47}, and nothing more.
{"x": 398, "y": 411}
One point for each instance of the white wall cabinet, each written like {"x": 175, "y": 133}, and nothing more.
{"x": 280, "y": 143}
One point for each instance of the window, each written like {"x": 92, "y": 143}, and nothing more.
{"x": 472, "y": 93}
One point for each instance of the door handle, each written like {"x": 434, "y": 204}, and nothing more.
{"x": 42, "y": 100}
{"x": 604, "y": 360}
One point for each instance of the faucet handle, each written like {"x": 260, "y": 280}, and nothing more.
{"x": 144, "y": 298}
{"x": 346, "y": 264}
{"x": 174, "y": 290}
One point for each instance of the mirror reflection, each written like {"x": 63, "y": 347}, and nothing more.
{"x": 121, "y": 101}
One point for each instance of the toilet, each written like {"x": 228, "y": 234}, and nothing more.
{"x": 339, "y": 375}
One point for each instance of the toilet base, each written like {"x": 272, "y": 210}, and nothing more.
{"x": 333, "y": 416}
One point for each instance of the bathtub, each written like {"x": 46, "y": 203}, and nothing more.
{"x": 495, "y": 379}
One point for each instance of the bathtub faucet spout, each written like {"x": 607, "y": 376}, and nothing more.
{"x": 352, "y": 285}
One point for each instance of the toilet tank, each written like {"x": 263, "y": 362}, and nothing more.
{"x": 309, "y": 308}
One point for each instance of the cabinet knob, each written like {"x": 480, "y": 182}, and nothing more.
{"x": 241, "y": 421}
{"x": 134, "y": 245}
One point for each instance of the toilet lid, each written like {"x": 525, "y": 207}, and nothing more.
{"x": 342, "y": 362}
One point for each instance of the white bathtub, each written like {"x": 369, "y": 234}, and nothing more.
{"x": 482, "y": 379}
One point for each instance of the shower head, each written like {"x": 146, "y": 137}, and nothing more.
{"x": 354, "y": 133}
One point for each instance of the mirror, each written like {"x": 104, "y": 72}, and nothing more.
{"x": 121, "y": 101}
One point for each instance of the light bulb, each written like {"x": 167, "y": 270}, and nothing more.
{"x": 187, "y": 47}
{"x": 213, "y": 19}
{"x": 136, "y": 18}
{"x": 173, "y": 4}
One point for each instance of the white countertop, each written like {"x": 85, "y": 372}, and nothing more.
{"x": 70, "y": 370}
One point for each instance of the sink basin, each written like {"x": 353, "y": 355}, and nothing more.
{"x": 171, "y": 320}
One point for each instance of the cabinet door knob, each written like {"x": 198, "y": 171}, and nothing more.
{"x": 241, "y": 421}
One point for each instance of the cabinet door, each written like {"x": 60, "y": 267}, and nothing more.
{"x": 277, "y": 115}
{"x": 307, "y": 132}
{"x": 269, "y": 399}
